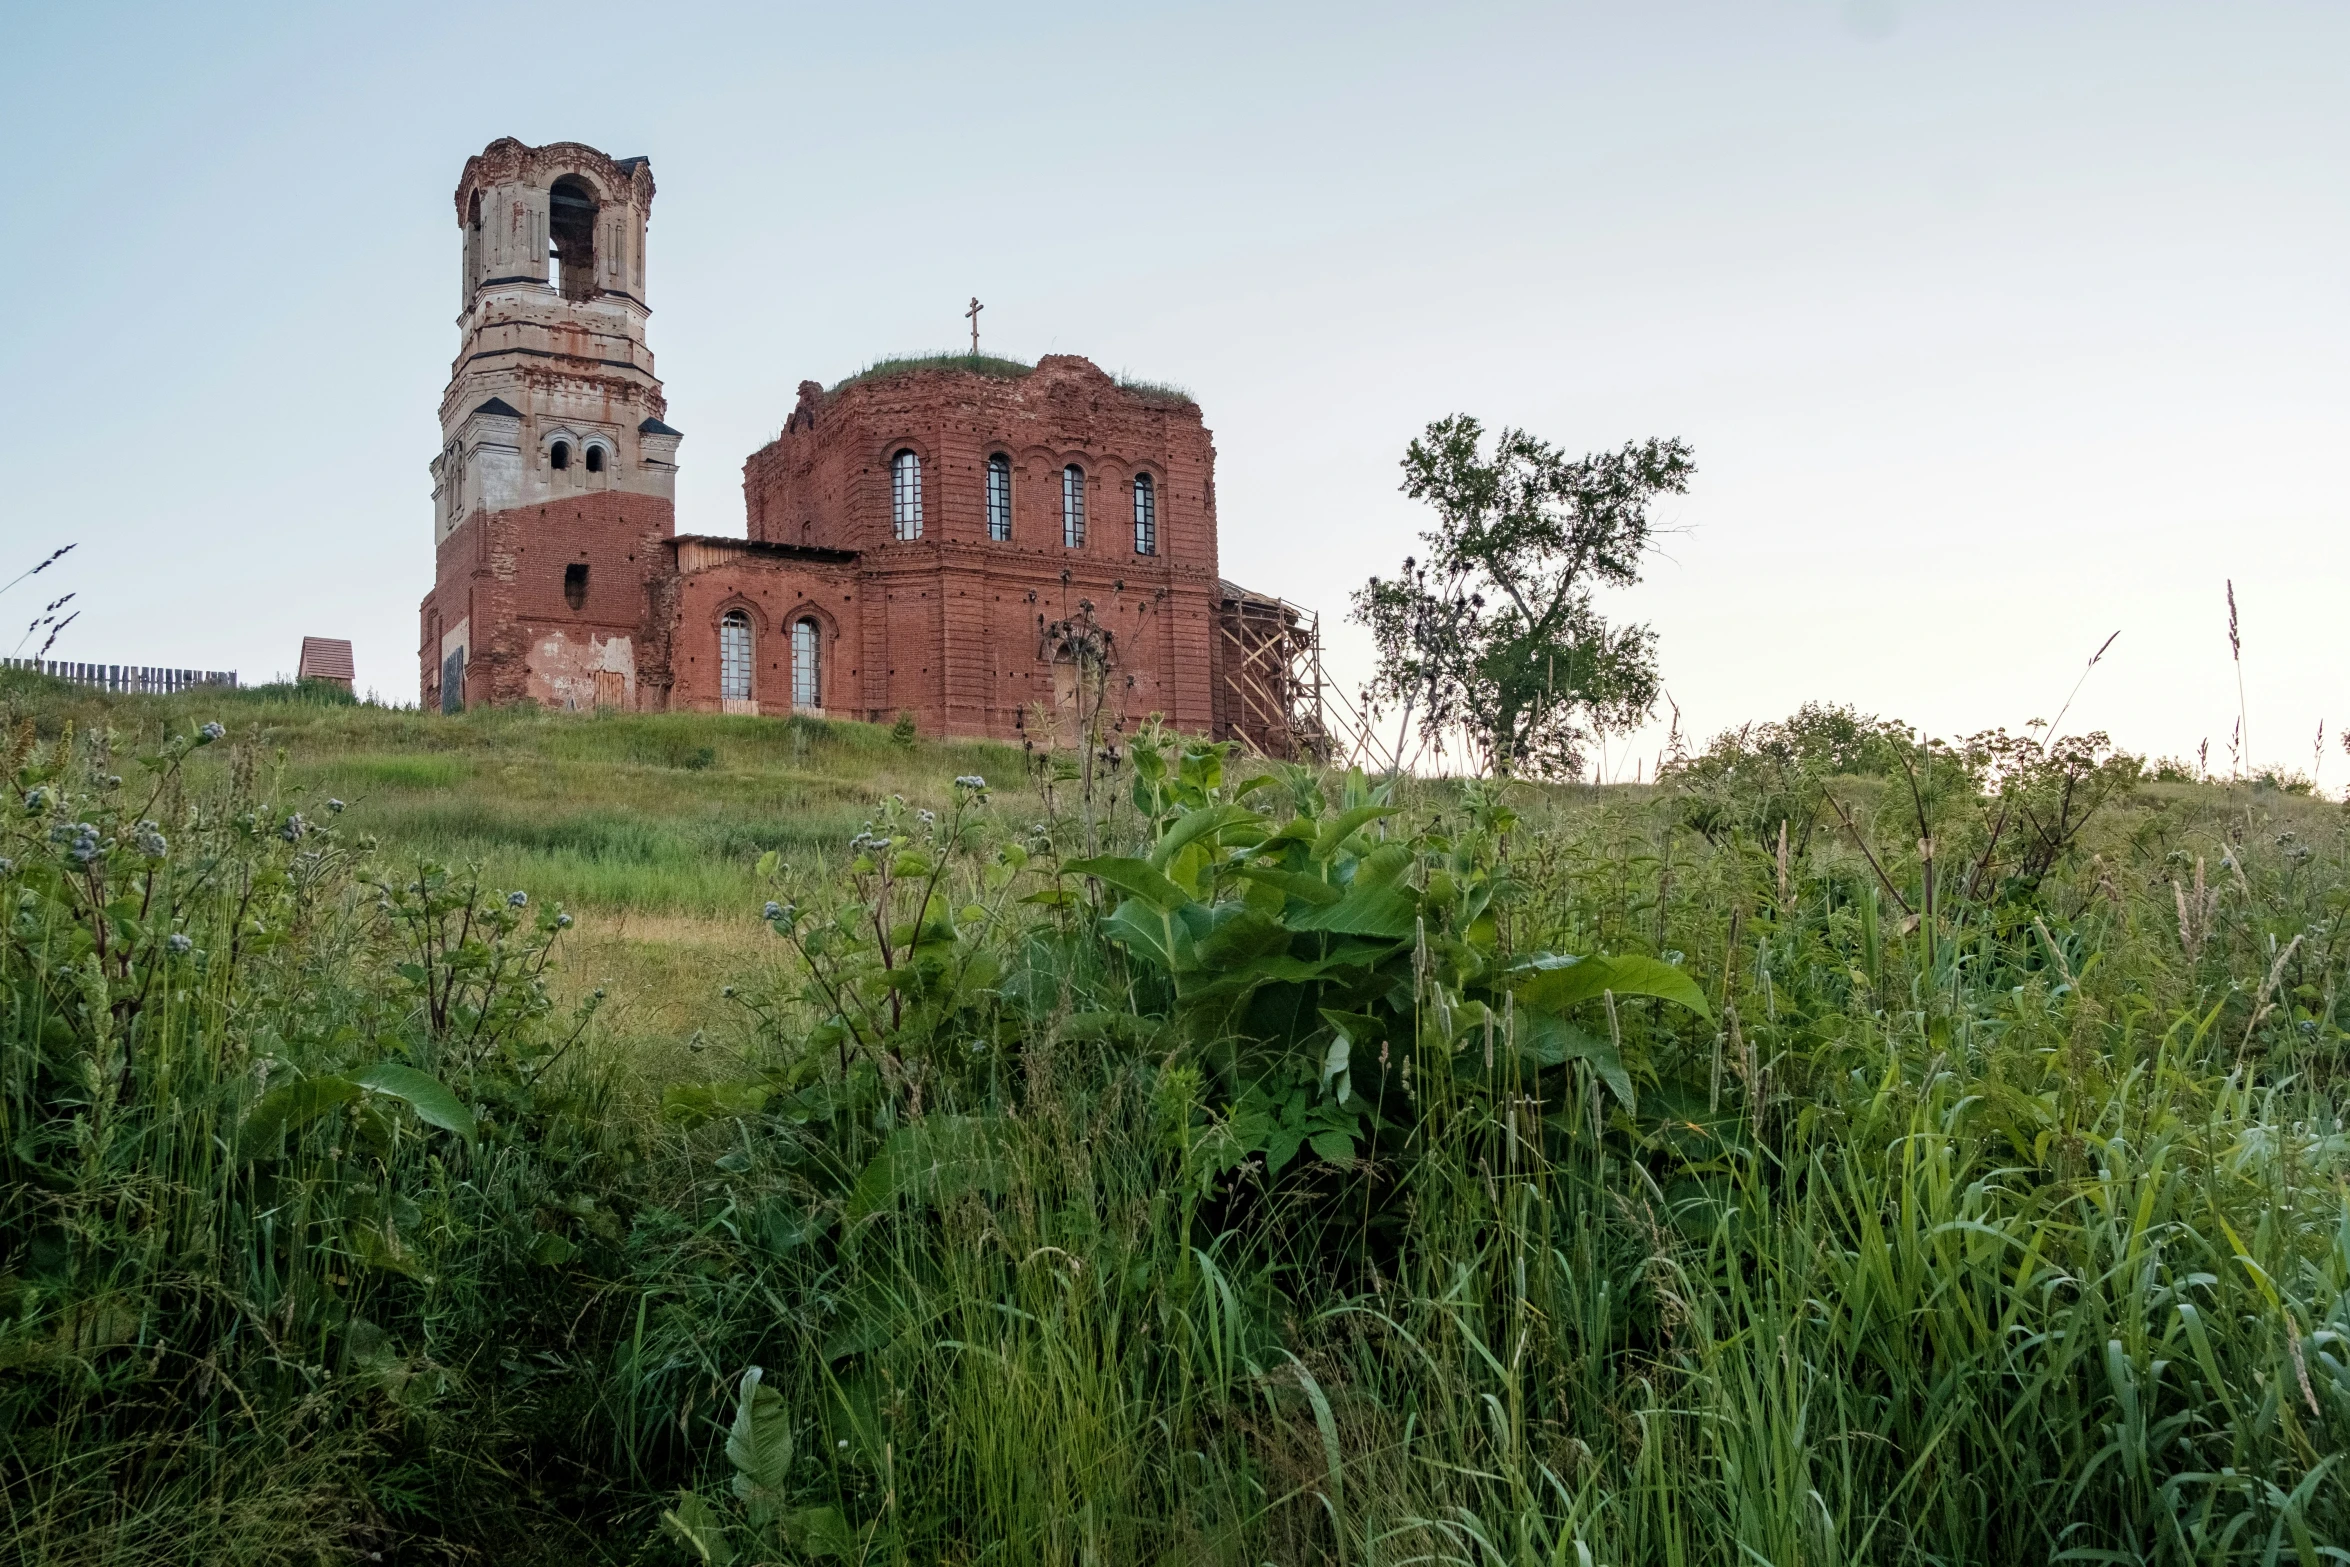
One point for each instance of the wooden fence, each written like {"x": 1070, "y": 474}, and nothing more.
{"x": 136, "y": 679}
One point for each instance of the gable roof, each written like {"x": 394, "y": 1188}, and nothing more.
{"x": 325, "y": 658}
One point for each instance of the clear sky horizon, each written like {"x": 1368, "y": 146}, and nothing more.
{"x": 1996, "y": 328}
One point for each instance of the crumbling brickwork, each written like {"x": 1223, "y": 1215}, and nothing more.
{"x": 556, "y": 480}
{"x": 956, "y": 626}
{"x": 921, "y": 540}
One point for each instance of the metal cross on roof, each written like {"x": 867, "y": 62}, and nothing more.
{"x": 973, "y": 313}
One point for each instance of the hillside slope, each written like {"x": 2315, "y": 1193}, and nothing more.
{"x": 1878, "y": 1152}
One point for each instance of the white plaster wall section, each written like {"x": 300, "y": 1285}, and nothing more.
{"x": 658, "y": 472}
{"x": 493, "y": 462}
{"x": 580, "y": 675}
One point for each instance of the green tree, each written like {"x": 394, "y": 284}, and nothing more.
{"x": 1493, "y": 632}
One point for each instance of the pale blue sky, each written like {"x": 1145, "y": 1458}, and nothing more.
{"x": 1996, "y": 327}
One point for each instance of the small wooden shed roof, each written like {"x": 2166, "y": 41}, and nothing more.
{"x": 325, "y": 658}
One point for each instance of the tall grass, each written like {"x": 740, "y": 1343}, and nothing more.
{"x": 2026, "y": 1242}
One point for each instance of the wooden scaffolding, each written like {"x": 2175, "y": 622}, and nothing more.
{"x": 1272, "y": 693}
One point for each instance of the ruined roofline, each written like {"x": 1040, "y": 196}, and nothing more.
{"x": 994, "y": 367}
{"x": 508, "y": 161}
{"x": 1248, "y": 602}
{"x": 891, "y": 366}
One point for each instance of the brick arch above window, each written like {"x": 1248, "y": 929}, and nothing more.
{"x": 884, "y": 451}
{"x": 810, "y": 609}
{"x": 739, "y": 600}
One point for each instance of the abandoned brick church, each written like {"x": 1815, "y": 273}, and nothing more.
{"x": 940, "y": 540}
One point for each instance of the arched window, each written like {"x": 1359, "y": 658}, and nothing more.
{"x": 807, "y": 673}
{"x": 905, "y": 494}
{"x": 560, "y": 456}
{"x": 999, "y": 498}
{"x": 571, "y": 234}
{"x": 1146, "y": 515}
{"x": 734, "y": 656}
{"x": 1073, "y": 507}
{"x": 595, "y": 462}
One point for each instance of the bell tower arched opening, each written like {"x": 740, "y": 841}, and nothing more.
{"x": 571, "y": 236}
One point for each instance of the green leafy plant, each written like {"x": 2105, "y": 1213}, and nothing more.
{"x": 1315, "y": 960}
{"x": 759, "y": 1448}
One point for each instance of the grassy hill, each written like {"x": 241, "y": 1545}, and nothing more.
{"x": 529, "y": 1137}
{"x": 649, "y": 826}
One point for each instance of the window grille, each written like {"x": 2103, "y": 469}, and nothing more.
{"x": 807, "y": 679}
{"x": 999, "y": 498}
{"x": 1073, "y": 507}
{"x": 905, "y": 491}
{"x": 734, "y": 656}
{"x": 1146, "y": 515}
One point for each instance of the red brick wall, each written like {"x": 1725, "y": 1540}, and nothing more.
{"x": 504, "y": 571}
{"x": 949, "y": 627}
{"x": 774, "y": 594}
{"x": 952, "y": 624}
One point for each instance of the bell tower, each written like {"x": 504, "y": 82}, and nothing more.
{"x": 556, "y": 479}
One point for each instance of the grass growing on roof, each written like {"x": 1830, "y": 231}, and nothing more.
{"x": 993, "y": 365}
{"x": 1165, "y": 393}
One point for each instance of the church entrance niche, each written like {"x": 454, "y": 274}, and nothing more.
{"x": 571, "y": 235}
{"x": 1083, "y": 655}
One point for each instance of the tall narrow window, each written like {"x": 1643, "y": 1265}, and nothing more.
{"x": 560, "y": 455}
{"x": 734, "y": 657}
{"x": 999, "y": 498}
{"x": 807, "y": 675}
{"x": 1073, "y": 507}
{"x": 905, "y": 494}
{"x": 1146, "y": 515}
